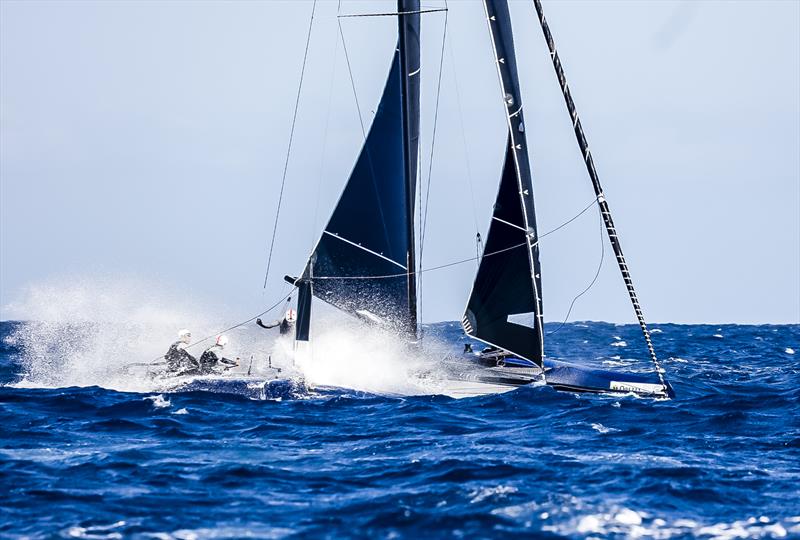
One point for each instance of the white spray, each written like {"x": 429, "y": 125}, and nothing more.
{"x": 87, "y": 332}
{"x": 82, "y": 332}
{"x": 347, "y": 353}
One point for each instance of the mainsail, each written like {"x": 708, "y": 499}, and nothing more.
{"x": 505, "y": 305}
{"x": 364, "y": 261}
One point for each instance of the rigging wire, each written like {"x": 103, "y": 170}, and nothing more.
{"x": 433, "y": 138}
{"x": 352, "y": 80}
{"x": 584, "y": 291}
{"x": 366, "y": 147}
{"x": 464, "y": 138}
{"x": 396, "y": 13}
{"x": 424, "y": 216}
{"x": 289, "y": 149}
{"x": 325, "y": 136}
{"x": 462, "y": 261}
{"x": 605, "y": 211}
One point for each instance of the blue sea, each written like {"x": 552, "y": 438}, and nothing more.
{"x": 721, "y": 460}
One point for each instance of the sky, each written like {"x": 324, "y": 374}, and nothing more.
{"x": 147, "y": 140}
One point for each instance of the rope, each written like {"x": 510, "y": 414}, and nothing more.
{"x": 584, "y": 291}
{"x": 289, "y": 149}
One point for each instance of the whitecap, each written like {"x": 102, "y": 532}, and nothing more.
{"x": 589, "y": 524}
{"x": 96, "y": 531}
{"x": 603, "y": 429}
{"x": 478, "y": 495}
{"x": 620, "y": 343}
{"x": 159, "y": 401}
{"x": 628, "y": 517}
{"x": 181, "y": 411}
{"x": 789, "y": 350}
{"x": 718, "y": 336}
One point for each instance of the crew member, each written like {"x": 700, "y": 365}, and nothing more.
{"x": 212, "y": 357}
{"x": 286, "y": 324}
{"x": 179, "y": 361}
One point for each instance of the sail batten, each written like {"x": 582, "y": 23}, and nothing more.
{"x": 508, "y": 284}
{"x": 365, "y": 249}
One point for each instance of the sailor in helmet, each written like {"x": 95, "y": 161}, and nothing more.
{"x": 286, "y": 324}
{"x": 179, "y": 361}
{"x": 211, "y": 359}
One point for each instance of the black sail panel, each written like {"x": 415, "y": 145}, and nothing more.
{"x": 366, "y": 238}
{"x": 363, "y": 262}
{"x": 507, "y": 289}
{"x": 504, "y": 286}
{"x": 302, "y": 330}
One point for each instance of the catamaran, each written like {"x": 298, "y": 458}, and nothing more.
{"x": 365, "y": 261}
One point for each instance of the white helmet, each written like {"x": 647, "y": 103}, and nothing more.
{"x": 184, "y": 335}
{"x": 222, "y": 341}
{"x": 291, "y": 315}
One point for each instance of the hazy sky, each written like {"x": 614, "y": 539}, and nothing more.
{"x": 148, "y": 139}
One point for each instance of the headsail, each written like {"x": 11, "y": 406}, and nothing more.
{"x": 364, "y": 260}
{"x": 505, "y": 305}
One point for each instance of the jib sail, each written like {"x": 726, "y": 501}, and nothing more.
{"x": 505, "y": 305}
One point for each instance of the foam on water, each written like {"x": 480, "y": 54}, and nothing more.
{"x": 347, "y": 354}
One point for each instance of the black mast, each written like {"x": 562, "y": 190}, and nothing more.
{"x": 408, "y": 30}
{"x": 509, "y": 282}
{"x": 364, "y": 260}
{"x": 598, "y": 189}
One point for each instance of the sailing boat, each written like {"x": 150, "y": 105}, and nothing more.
{"x": 364, "y": 262}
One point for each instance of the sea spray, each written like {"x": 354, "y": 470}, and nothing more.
{"x": 90, "y": 331}
{"x": 348, "y": 353}
{"x": 85, "y": 331}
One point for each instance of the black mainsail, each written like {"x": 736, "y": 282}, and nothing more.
{"x": 364, "y": 261}
{"x": 505, "y": 305}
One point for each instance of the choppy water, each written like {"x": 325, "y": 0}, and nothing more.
{"x": 720, "y": 461}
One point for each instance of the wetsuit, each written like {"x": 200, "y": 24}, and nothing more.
{"x": 210, "y": 360}
{"x": 179, "y": 361}
{"x": 285, "y": 325}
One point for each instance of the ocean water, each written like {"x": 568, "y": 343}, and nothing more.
{"x": 100, "y": 460}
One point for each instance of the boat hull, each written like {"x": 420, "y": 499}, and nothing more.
{"x": 249, "y": 387}
{"x": 496, "y": 373}
{"x": 573, "y": 378}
